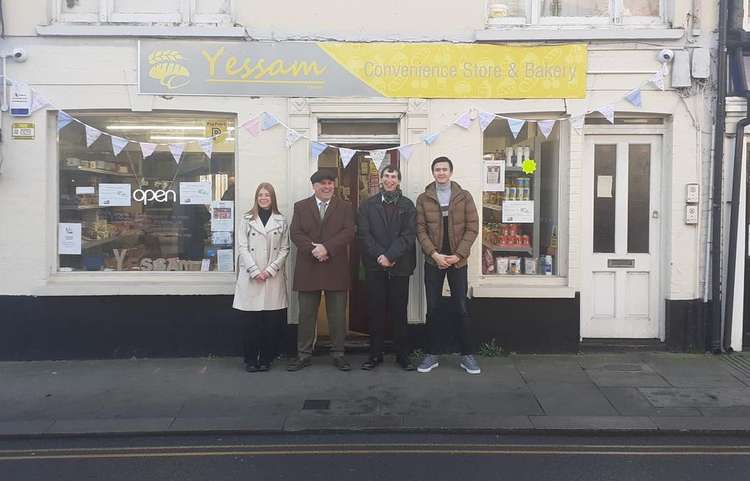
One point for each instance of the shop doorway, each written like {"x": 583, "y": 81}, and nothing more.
{"x": 746, "y": 303}
{"x": 355, "y": 183}
{"x": 621, "y": 294}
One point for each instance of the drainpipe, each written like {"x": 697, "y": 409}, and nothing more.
{"x": 716, "y": 307}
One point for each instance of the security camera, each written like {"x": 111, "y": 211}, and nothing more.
{"x": 19, "y": 55}
{"x": 665, "y": 55}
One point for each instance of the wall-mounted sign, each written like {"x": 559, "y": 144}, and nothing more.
{"x": 347, "y": 69}
{"x": 22, "y": 130}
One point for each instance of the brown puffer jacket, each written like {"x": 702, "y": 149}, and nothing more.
{"x": 463, "y": 222}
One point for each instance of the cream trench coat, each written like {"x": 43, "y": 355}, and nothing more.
{"x": 262, "y": 248}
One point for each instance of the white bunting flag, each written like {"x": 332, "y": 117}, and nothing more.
{"x": 292, "y": 136}
{"x": 577, "y": 121}
{"x": 38, "y": 101}
{"x": 485, "y": 119}
{"x": 91, "y": 135}
{"x": 429, "y": 139}
{"x": 608, "y": 111}
{"x": 545, "y": 127}
{"x": 63, "y": 119}
{"x": 634, "y": 97}
{"x": 317, "y": 148}
{"x": 268, "y": 121}
{"x": 515, "y": 126}
{"x": 177, "y": 150}
{"x": 377, "y": 158}
{"x": 147, "y": 148}
{"x": 405, "y": 151}
{"x": 118, "y": 143}
{"x": 207, "y": 145}
{"x": 253, "y": 126}
{"x": 346, "y": 155}
{"x": 658, "y": 79}
{"x": 464, "y": 120}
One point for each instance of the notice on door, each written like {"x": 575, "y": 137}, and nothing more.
{"x": 604, "y": 186}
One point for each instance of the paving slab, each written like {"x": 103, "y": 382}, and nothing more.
{"x": 554, "y": 369}
{"x": 697, "y": 397}
{"x": 122, "y": 425}
{"x": 25, "y": 428}
{"x": 730, "y": 411}
{"x": 629, "y": 401}
{"x": 702, "y": 424}
{"x": 456, "y": 421}
{"x": 318, "y": 422}
{"x": 572, "y": 400}
{"x": 261, "y": 422}
{"x": 593, "y": 423}
{"x": 693, "y": 370}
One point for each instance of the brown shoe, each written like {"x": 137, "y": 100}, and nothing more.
{"x": 298, "y": 363}
{"x": 342, "y": 364}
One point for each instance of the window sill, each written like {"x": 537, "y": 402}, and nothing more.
{"x": 138, "y": 283}
{"x": 530, "y": 288}
{"x": 584, "y": 32}
{"x": 85, "y": 30}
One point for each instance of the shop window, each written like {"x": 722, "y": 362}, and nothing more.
{"x": 144, "y": 11}
{"x": 130, "y": 213}
{"x": 520, "y": 202}
{"x": 588, "y": 12}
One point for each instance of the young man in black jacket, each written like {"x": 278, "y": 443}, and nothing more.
{"x": 387, "y": 232}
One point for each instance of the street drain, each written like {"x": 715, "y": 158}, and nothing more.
{"x": 316, "y": 404}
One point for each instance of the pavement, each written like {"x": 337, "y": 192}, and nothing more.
{"x": 639, "y": 392}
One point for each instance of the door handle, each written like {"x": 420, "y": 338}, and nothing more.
{"x": 655, "y": 214}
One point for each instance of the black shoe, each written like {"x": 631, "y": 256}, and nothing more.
{"x": 406, "y": 364}
{"x": 263, "y": 367}
{"x": 298, "y": 363}
{"x": 342, "y": 364}
{"x": 372, "y": 363}
{"x": 251, "y": 367}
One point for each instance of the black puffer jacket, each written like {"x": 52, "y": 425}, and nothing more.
{"x": 397, "y": 240}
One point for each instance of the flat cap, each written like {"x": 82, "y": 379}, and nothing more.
{"x": 322, "y": 175}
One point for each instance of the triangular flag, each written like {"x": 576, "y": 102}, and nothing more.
{"x": 485, "y": 119}
{"x": 634, "y": 97}
{"x": 545, "y": 127}
{"x": 292, "y": 136}
{"x": 147, "y": 148}
{"x": 346, "y": 155}
{"x": 38, "y": 101}
{"x": 577, "y": 121}
{"x": 253, "y": 126}
{"x": 608, "y": 111}
{"x": 177, "y": 150}
{"x": 430, "y": 138}
{"x": 515, "y": 126}
{"x": 405, "y": 151}
{"x": 118, "y": 143}
{"x": 464, "y": 120}
{"x": 658, "y": 79}
{"x": 377, "y": 158}
{"x": 268, "y": 121}
{"x": 317, "y": 148}
{"x": 207, "y": 145}
{"x": 63, "y": 119}
{"x": 91, "y": 135}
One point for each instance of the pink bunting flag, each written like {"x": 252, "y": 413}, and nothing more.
{"x": 464, "y": 120}
{"x": 253, "y": 126}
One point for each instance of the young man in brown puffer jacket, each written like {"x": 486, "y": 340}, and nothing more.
{"x": 447, "y": 226}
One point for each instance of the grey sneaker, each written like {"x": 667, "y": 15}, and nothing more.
{"x": 470, "y": 364}
{"x": 429, "y": 363}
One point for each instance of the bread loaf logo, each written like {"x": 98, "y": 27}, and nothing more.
{"x": 167, "y": 69}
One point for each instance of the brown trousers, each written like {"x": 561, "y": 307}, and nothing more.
{"x": 309, "y": 301}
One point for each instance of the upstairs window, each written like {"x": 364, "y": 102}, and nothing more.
{"x": 574, "y": 12}
{"x": 181, "y": 12}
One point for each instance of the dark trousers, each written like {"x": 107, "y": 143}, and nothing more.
{"x": 387, "y": 299}
{"x": 459, "y": 314}
{"x": 262, "y": 331}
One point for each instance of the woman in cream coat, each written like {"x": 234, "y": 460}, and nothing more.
{"x": 263, "y": 244}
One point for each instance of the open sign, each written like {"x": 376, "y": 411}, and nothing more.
{"x": 151, "y": 195}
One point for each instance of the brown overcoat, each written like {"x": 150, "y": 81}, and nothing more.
{"x": 463, "y": 222}
{"x": 335, "y": 232}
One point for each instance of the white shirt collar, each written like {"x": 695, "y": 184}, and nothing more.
{"x": 318, "y": 201}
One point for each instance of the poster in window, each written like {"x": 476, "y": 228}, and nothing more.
{"x": 518, "y": 212}
{"x": 222, "y": 216}
{"x": 69, "y": 238}
{"x": 195, "y": 193}
{"x": 493, "y": 175}
{"x": 114, "y": 195}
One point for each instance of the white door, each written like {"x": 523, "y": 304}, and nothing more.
{"x": 620, "y": 295}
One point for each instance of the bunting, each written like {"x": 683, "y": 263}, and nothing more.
{"x": 485, "y": 119}
{"x": 268, "y": 121}
{"x": 253, "y": 126}
{"x": 608, "y": 111}
{"x": 292, "y": 136}
{"x": 577, "y": 122}
{"x": 658, "y": 80}
{"x": 346, "y": 155}
{"x": 207, "y": 146}
{"x": 545, "y": 127}
{"x": 63, "y": 119}
{"x": 429, "y": 139}
{"x": 147, "y": 148}
{"x": 38, "y": 102}
{"x": 634, "y": 97}
{"x": 118, "y": 143}
{"x": 317, "y": 148}
{"x": 377, "y": 158}
{"x": 91, "y": 135}
{"x": 177, "y": 150}
{"x": 464, "y": 120}
{"x": 515, "y": 126}
{"x": 405, "y": 151}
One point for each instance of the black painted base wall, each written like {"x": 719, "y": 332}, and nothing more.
{"x": 686, "y": 325}
{"x": 105, "y": 327}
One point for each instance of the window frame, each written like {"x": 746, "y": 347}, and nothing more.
{"x": 107, "y": 14}
{"x": 534, "y": 17}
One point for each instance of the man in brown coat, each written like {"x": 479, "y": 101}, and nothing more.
{"x": 447, "y": 226}
{"x": 322, "y": 229}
